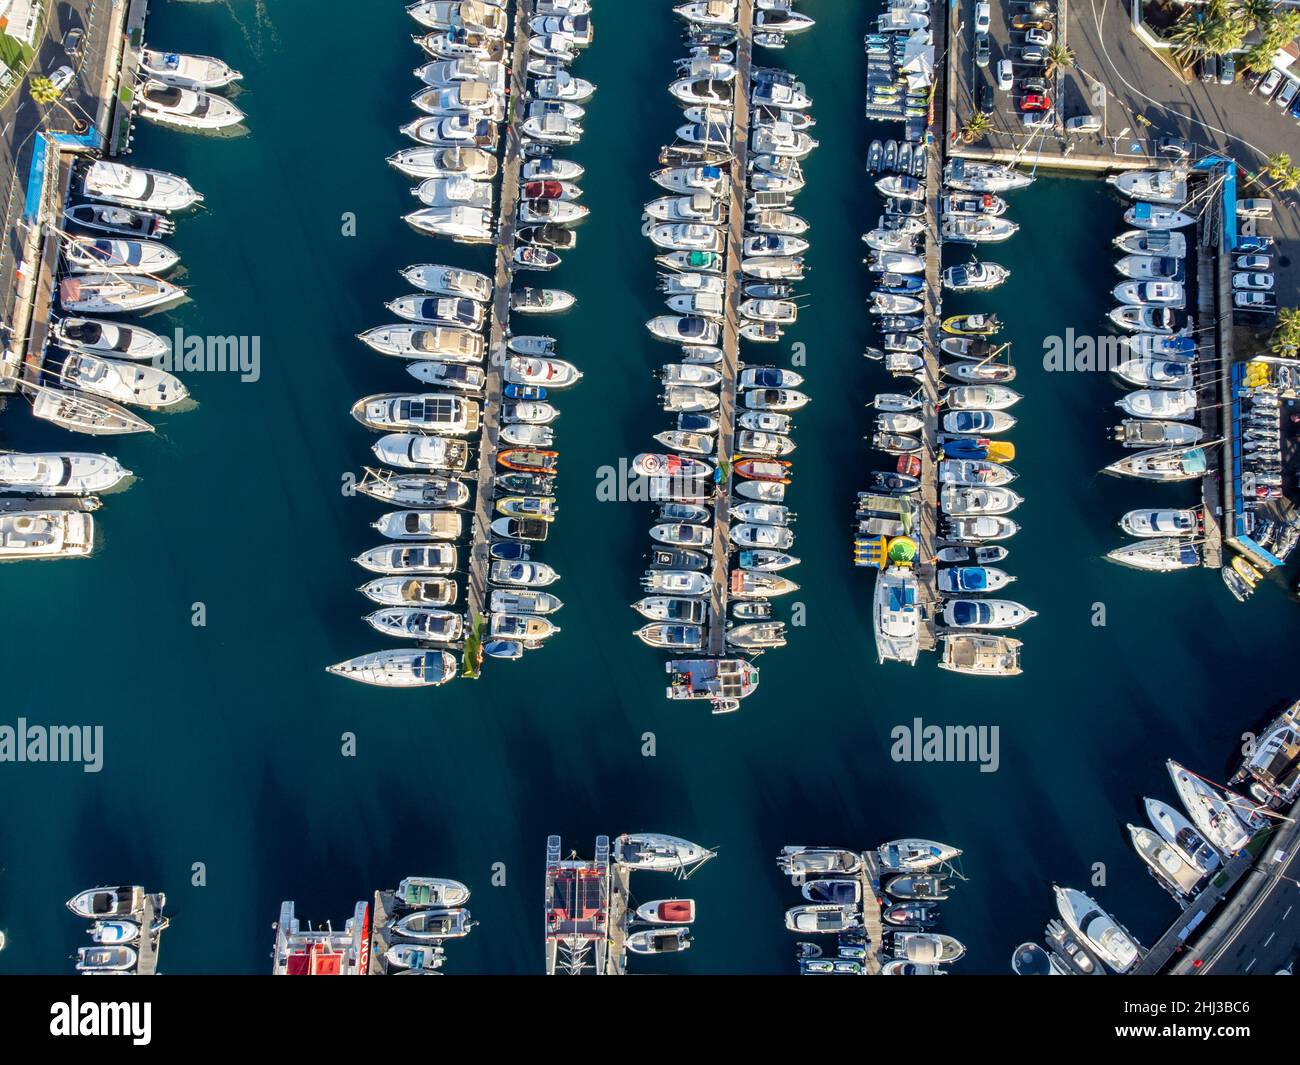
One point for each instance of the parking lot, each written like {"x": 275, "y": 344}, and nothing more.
{"x": 1136, "y": 99}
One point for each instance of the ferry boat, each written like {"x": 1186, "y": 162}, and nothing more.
{"x": 577, "y": 910}
{"x": 325, "y": 952}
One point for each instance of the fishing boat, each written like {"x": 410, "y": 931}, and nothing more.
{"x": 1167, "y": 865}
{"x": 116, "y": 293}
{"x": 117, "y": 255}
{"x": 83, "y": 413}
{"x": 184, "y": 108}
{"x": 1148, "y": 522}
{"x": 1181, "y": 835}
{"x": 187, "y": 71}
{"x": 431, "y": 891}
{"x": 655, "y": 851}
{"x": 59, "y": 473}
{"x": 434, "y": 559}
{"x": 398, "y": 669}
{"x": 123, "y": 382}
{"x": 1212, "y": 811}
{"x": 1164, "y": 404}
{"x": 1153, "y": 216}
{"x": 1109, "y": 940}
{"x": 407, "y": 591}
{"x": 129, "y": 186}
{"x": 1158, "y": 555}
{"x": 896, "y": 617}
{"x": 1153, "y": 186}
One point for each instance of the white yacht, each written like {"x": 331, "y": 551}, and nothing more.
{"x": 913, "y": 855}
{"x": 39, "y": 534}
{"x": 61, "y": 473}
{"x": 980, "y": 654}
{"x": 1161, "y": 522}
{"x": 927, "y": 948}
{"x": 171, "y": 105}
{"x": 114, "y": 339}
{"x": 445, "y": 162}
{"x": 1154, "y": 186}
{"x": 458, "y": 191}
{"x": 135, "y": 383}
{"x": 1167, "y": 864}
{"x": 1180, "y": 834}
{"x": 187, "y": 71}
{"x": 117, "y": 255}
{"x": 469, "y": 225}
{"x": 132, "y": 186}
{"x": 1214, "y": 817}
{"x": 896, "y": 616}
{"x": 418, "y": 451}
{"x": 449, "y": 281}
{"x": 986, "y": 614}
{"x": 438, "y": 342}
{"x": 417, "y": 623}
{"x": 1108, "y": 939}
{"x": 435, "y": 559}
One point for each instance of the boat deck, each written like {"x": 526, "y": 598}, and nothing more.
{"x": 512, "y": 157}
{"x": 730, "y": 366}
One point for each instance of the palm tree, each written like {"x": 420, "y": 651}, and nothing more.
{"x": 1257, "y": 13}
{"x": 1258, "y": 58}
{"x": 979, "y": 123}
{"x": 45, "y": 92}
{"x": 1059, "y": 57}
{"x": 1286, "y": 332}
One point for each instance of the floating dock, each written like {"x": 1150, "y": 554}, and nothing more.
{"x": 730, "y": 366}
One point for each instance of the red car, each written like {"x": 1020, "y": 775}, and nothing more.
{"x": 1035, "y": 101}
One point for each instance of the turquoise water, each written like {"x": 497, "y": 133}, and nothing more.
{"x": 223, "y": 742}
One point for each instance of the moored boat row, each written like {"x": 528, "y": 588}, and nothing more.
{"x": 126, "y": 925}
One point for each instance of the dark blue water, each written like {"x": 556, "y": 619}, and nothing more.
{"x": 223, "y": 742}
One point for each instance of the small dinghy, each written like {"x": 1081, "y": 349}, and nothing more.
{"x": 411, "y": 957}
{"x": 986, "y": 614}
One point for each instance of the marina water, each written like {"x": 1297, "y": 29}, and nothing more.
{"x": 223, "y": 741}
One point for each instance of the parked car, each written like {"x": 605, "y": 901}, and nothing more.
{"x": 1175, "y": 146}
{"x": 1257, "y": 208}
{"x": 1286, "y": 93}
{"x": 982, "y": 52}
{"x": 1033, "y": 54}
{"x": 1042, "y": 38}
{"x": 1268, "y": 84}
{"x": 1083, "y": 124}
{"x": 1032, "y": 22}
{"x": 1038, "y": 119}
{"x": 1209, "y": 69}
{"x": 1258, "y": 282}
{"x": 1035, "y": 102}
{"x": 983, "y": 18}
{"x": 1227, "y": 70}
{"x": 1006, "y": 75}
{"x": 1253, "y": 243}
{"x": 62, "y": 78}
{"x": 1253, "y": 262}
{"x": 1254, "y": 301}
{"x": 1035, "y": 85}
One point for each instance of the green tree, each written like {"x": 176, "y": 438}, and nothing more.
{"x": 979, "y": 124}
{"x": 1257, "y": 13}
{"x": 1258, "y": 58}
{"x": 1059, "y": 57}
{"x": 1285, "y": 340}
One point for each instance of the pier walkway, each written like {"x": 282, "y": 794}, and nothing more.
{"x": 869, "y": 877}
{"x": 512, "y": 157}
{"x": 617, "y": 920}
{"x": 730, "y": 365}
{"x": 147, "y": 965}
{"x": 1213, "y": 357}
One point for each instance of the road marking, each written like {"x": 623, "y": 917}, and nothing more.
{"x": 1270, "y": 938}
{"x": 1288, "y": 912}
{"x": 1251, "y": 965}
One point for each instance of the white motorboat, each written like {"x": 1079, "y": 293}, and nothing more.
{"x": 447, "y": 73}
{"x": 415, "y": 958}
{"x": 720, "y": 13}
{"x": 113, "y": 293}
{"x": 974, "y": 276}
{"x": 1154, "y": 346}
{"x": 1167, "y": 864}
{"x": 677, "y": 329}
{"x": 1155, "y": 373}
{"x": 411, "y": 591}
{"x": 430, "y": 162}
{"x": 470, "y": 225}
{"x": 59, "y": 473}
{"x": 1154, "y": 186}
{"x": 106, "y": 903}
{"x": 983, "y": 177}
{"x": 474, "y": 16}
{"x": 442, "y": 343}
{"x": 553, "y": 128}
{"x": 447, "y": 192}
{"x": 1168, "y": 404}
{"x": 117, "y": 255}
{"x": 1109, "y": 940}
{"x": 563, "y": 86}
{"x": 958, "y": 500}
{"x": 769, "y": 537}
{"x": 1217, "y": 819}
{"x": 529, "y": 300}
{"x": 426, "y": 309}
{"x": 802, "y": 862}
{"x": 1152, "y": 242}
{"x": 523, "y": 574}
{"x": 549, "y": 168}
{"x": 980, "y": 397}
{"x": 1150, "y": 267}
{"x": 896, "y": 616}
{"x": 524, "y": 601}
{"x": 432, "y": 891}
{"x": 452, "y": 131}
{"x": 697, "y": 207}
{"x": 769, "y": 245}
{"x": 106, "y": 959}
{"x": 450, "y": 281}
{"x": 974, "y": 472}
{"x": 659, "y": 852}
{"x": 172, "y": 105}
{"x": 659, "y": 940}
{"x": 667, "y": 911}
{"x": 822, "y": 918}
{"x": 980, "y": 654}
{"x": 986, "y": 614}
{"x": 1180, "y": 834}
{"x": 927, "y": 948}
{"x": 1153, "y": 522}
{"x": 687, "y": 236}
{"x": 389, "y": 559}
{"x": 977, "y": 422}
{"x": 113, "y": 933}
{"x": 1147, "y": 319}
{"x": 187, "y": 71}
{"x": 124, "y": 382}
{"x": 1151, "y": 294}
{"x": 435, "y": 412}
{"x": 420, "y": 525}
{"x": 535, "y": 370}
{"x": 914, "y": 855}
{"x": 101, "y": 336}
{"x": 41, "y": 534}
{"x": 477, "y": 98}
{"x": 398, "y": 669}
{"x": 418, "y": 451}
{"x": 972, "y": 580}
{"x": 434, "y": 924}
{"x": 1154, "y": 216}
{"x": 417, "y": 623}
{"x": 130, "y": 186}
{"x": 979, "y": 528}
{"x": 977, "y": 229}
